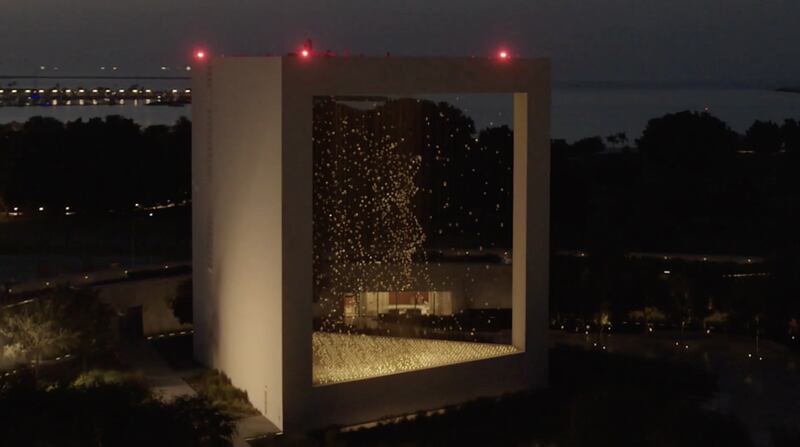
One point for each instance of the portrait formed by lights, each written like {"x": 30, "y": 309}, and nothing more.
{"x": 412, "y": 210}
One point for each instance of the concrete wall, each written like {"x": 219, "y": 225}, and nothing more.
{"x": 307, "y": 406}
{"x": 152, "y": 295}
{"x": 237, "y": 196}
{"x": 252, "y": 168}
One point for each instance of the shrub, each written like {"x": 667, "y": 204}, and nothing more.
{"x": 218, "y": 389}
{"x": 121, "y": 414}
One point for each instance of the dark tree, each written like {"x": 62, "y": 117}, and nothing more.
{"x": 764, "y": 137}
{"x": 592, "y": 145}
{"x": 618, "y": 139}
{"x": 93, "y": 166}
{"x": 123, "y": 414}
{"x": 688, "y": 142}
{"x": 790, "y": 134}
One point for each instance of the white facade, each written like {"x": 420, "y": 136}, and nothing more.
{"x": 252, "y": 231}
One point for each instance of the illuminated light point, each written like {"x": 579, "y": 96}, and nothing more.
{"x": 503, "y": 55}
{"x": 200, "y": 55}
{"x": 305, "y": 49}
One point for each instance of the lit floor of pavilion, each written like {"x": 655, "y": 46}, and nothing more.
{"x": 346, "y": 357}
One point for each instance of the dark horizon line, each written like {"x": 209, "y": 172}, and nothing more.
{"x": 679, "y": 83}
{"x": 774, "y": 84}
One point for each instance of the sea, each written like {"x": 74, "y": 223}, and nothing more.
{"x": 578, "y": 110}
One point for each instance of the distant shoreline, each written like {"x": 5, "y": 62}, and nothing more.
{"x": 788, "y": 89}
{"x": 113, "y": 77}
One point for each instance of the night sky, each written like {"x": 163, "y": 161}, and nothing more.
{"x": 652, "y": 40}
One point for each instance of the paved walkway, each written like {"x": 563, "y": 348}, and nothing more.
{"x": 169, "y": 384}
{"x": 164, "y": 381}
{"x": 252, "y": 427}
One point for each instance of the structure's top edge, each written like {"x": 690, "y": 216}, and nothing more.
{"x": 388, "y": 58}
{"x": 329, "y": 75}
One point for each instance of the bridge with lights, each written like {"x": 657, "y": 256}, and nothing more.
{"x": 59, "y": 96}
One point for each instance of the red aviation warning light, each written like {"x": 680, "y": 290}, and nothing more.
{"x": 306, "y": 50}
{"x": 200, "y": 55}
{"x": 503, "y": 55}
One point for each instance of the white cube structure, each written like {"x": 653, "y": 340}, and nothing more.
{"x": 253, "y": 232}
